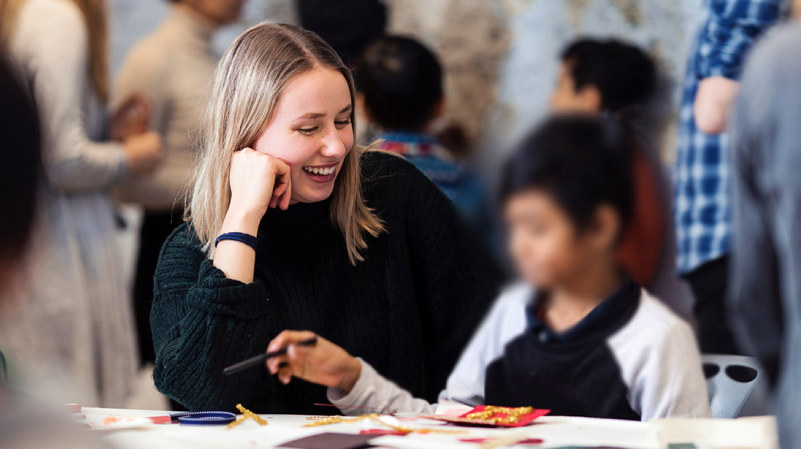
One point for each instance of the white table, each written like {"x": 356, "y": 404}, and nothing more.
{"x": 554, "y": 430}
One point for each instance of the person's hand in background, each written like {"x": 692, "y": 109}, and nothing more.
{"x": 713, "y": 102}
{"x": 144, "y": 149}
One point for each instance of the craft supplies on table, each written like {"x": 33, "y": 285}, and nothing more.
{"x": 247, "y": 414}
{"x": 546, "y": 432}
{"x": 494, "y": 416}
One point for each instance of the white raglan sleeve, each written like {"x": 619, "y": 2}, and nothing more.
{"x": 374, "y": 393}
{"x": 673, "y": 383}
{"x": 660, "y": 362}
{"x": 505, "y": 321}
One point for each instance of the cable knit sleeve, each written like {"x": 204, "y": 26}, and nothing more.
{"x": 203, "y": 322}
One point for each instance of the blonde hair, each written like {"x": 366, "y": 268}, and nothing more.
{"x": 94, "y": 15}
{"x": 247, "y": 85}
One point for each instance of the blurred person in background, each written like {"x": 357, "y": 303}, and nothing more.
{"x": 346, "y": 25}
{"x": 765, "y": 277}
{"x": 701, "y": 185}
{"x": 618, "y": 78}
{"x": 74, "y": 318}
{"x": 172, "y": 68}
{"x": 23, "y": 424}
{"x": 400, "y": 92}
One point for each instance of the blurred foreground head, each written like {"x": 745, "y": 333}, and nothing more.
{"x": 19, "y": 172}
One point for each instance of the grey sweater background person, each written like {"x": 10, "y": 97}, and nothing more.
{"x": 172, "y": 68}
{"x": 765, "y": 282}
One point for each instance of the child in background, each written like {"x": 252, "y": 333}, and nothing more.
{"x": 577, "y": 335}
{"x": 620, "y": 79}
{"x": 401, "y": 93}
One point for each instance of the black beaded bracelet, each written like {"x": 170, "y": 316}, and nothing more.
{"x": 240, "y": 237}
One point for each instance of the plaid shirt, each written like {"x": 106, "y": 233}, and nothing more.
{"x": 702, "y": 186}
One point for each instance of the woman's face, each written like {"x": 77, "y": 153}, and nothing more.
{"x": 311, "y": 131}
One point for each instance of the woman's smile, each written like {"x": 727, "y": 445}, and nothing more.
{"x": 321, "y": 173}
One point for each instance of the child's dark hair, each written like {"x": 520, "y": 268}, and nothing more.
{"x": 401, "y": 81}
{"x": 582, "y": 161}
{"x": 623, "y": 73}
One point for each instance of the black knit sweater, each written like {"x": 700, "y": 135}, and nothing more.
{"x": 408, "y": 309}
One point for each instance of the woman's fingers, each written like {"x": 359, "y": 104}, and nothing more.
{"x": 283, "y": 184}
{"x": 293, "y": 362}
{"x": 285, "y": 373}
{"x": 285, "y": 339}
{"x": 299, "y": 357}
{"x": 278, "y": 342}
{"x": 274, "y": 364}
{"x": 278, "y": 191}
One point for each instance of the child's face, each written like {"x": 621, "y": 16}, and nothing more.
{"x": 311, "y": 131}
{"x": 547, "y": 248}
{"x": 566, "y": 99}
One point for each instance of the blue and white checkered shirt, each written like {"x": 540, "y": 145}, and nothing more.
{"x": 701, "y": 184}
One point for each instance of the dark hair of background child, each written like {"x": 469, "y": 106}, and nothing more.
{"x": 401, "y": 81}
{"x": 623, "y": 74}
{"x": 582, "y": 161}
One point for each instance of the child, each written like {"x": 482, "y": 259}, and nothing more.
{"x": 401, "y": 93}
{"x": 618, "y": 78}
{"x": 587, "y": 340}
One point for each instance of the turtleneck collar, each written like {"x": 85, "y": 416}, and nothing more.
{"x": 302, "y": 224}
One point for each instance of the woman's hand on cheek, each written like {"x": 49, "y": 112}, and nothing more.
{"x": 258, "y": 181}
{"x": 325, "y": 363}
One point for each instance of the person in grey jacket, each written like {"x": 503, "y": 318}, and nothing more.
{"x": 76, "y": 326}
{"x": 765, "y": 281}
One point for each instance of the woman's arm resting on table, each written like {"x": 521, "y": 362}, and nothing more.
{"x": 203, "y": 322}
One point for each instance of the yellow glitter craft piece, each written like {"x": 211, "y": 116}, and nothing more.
{"x": 337, "y": 419}
{"x": 246, "y": 414}
{"x": 500, "y": 415}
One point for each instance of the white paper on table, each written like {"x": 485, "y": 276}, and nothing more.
{"x": 755, "y": 432}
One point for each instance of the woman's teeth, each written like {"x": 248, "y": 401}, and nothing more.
{"x": 320, "y": 171}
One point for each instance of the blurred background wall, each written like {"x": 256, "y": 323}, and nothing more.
{"x": 500, "y": 55}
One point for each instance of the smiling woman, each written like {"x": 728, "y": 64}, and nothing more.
{"x": 292, "y": 225}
